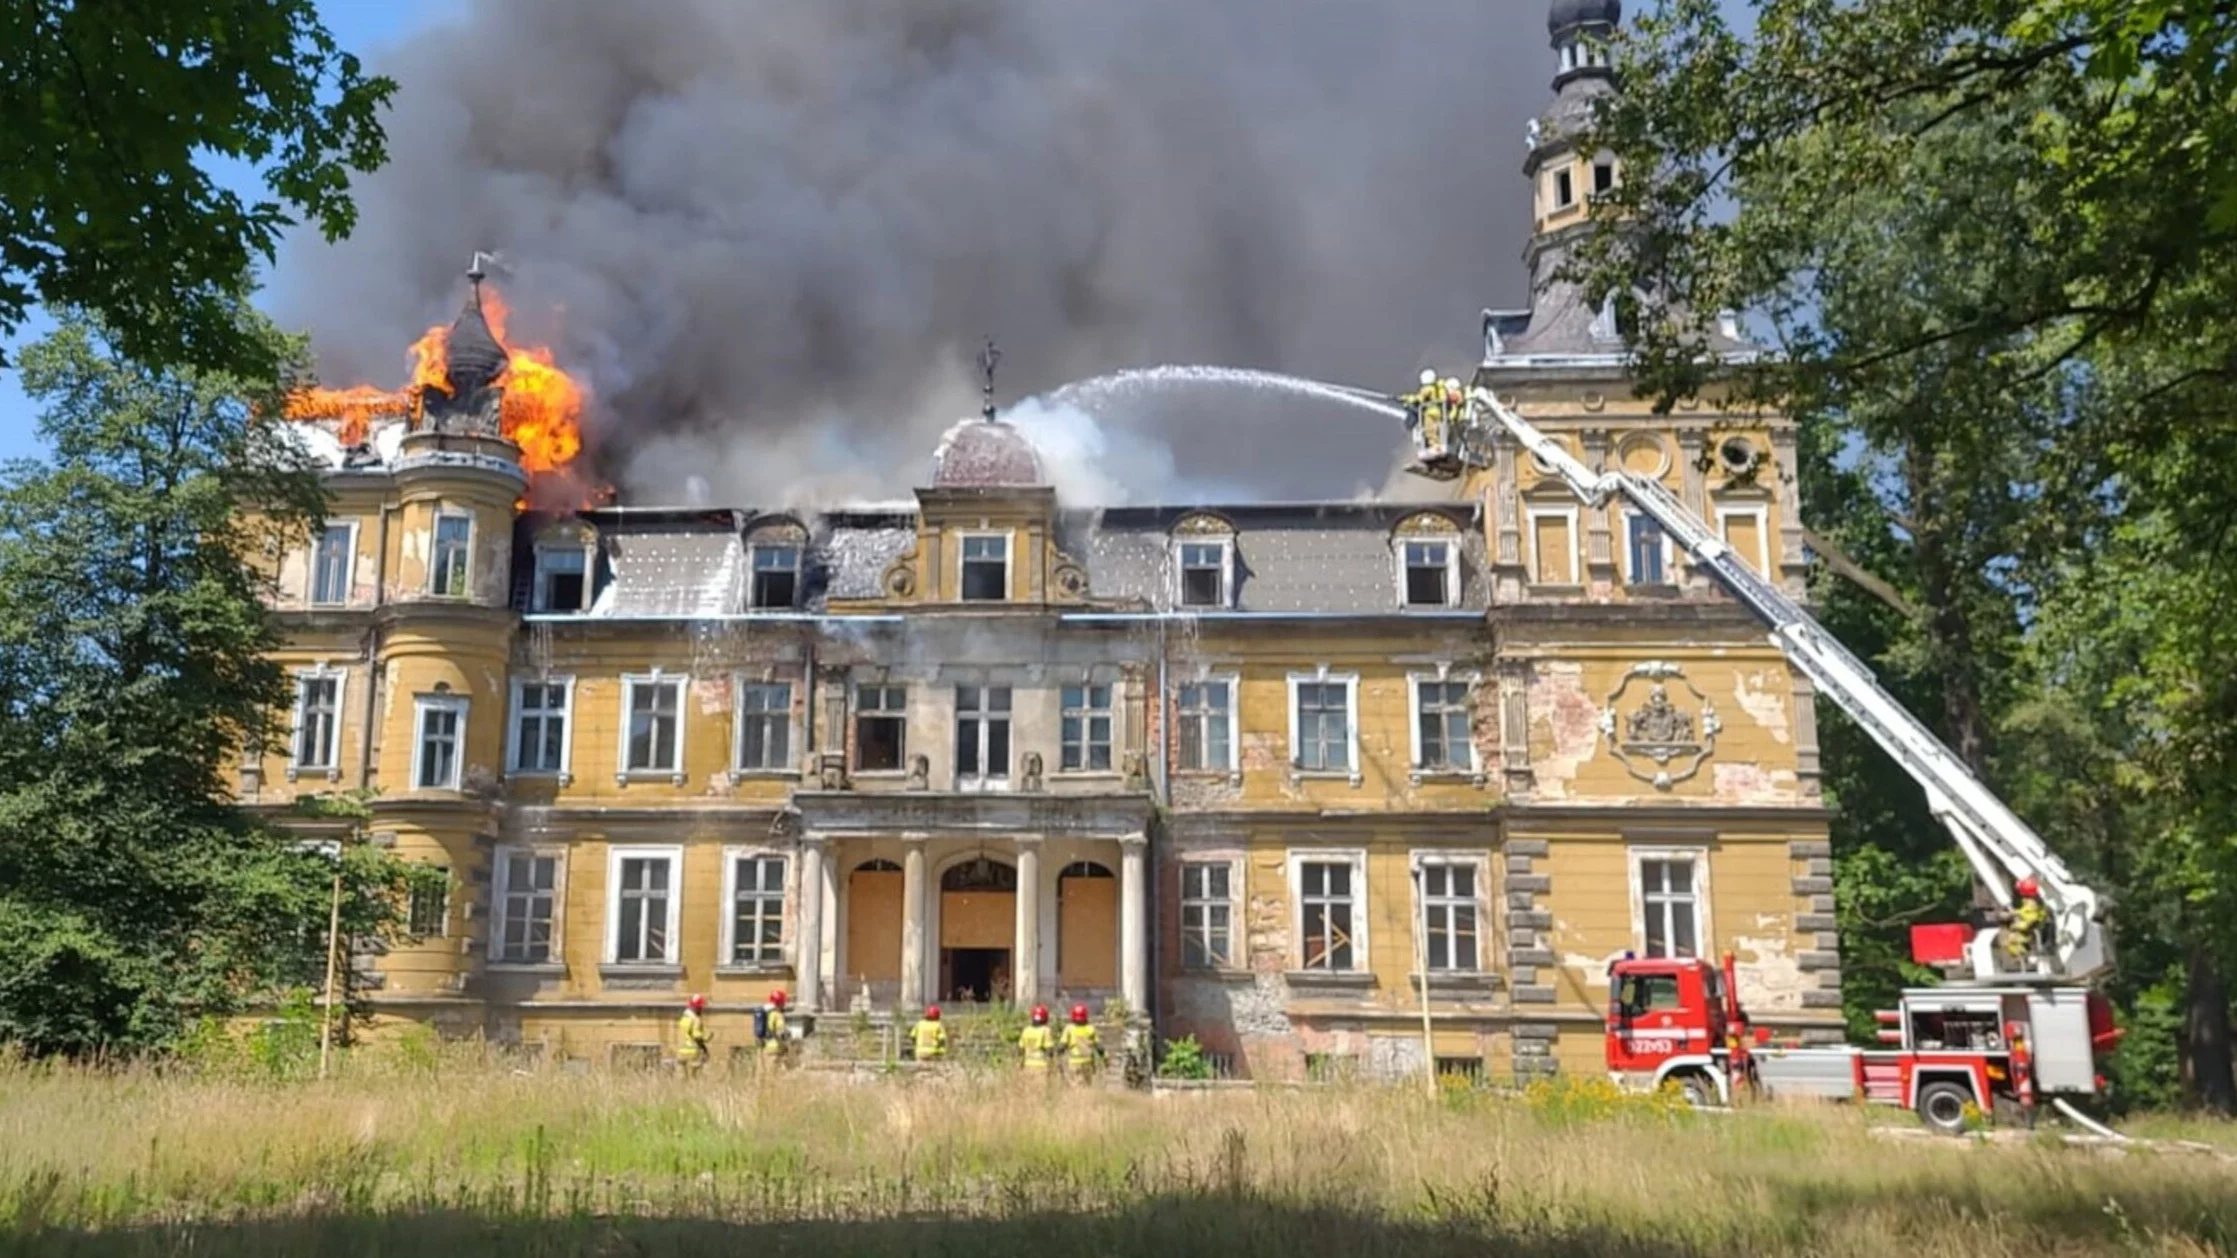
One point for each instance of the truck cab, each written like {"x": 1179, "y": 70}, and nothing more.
{"x": 1673, "y": 1020}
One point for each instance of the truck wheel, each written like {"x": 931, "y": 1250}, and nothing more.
{"x": 1697, "y": 1090}
{"x": 1942, "y": 1107}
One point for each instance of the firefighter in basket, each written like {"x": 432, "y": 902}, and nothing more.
{"x": 1428, "y": 415}
{"x": 2023, "y": 925}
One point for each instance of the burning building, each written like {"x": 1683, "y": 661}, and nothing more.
{"x": 1331, "y": 787}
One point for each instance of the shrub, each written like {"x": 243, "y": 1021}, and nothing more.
{"x": 1184, "y": 1059}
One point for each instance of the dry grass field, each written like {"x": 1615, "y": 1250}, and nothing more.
{"x": 463, "y": 1158}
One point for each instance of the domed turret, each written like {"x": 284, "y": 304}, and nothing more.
{"x": 474, "y": 357}
{"x": 1570, "y": 15}
{"x": 985, "y": 453}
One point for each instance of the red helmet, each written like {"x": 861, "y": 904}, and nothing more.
{"x": 2029, "y": 888}
{"x": 1040, "y": 1014}
{"x": 1079, "y": 1013}
{"x": 696, "y": 1003}
{"x": 932, "y": 1013}
{"x": 777, "y": 998}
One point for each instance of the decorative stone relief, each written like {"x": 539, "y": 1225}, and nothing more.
{"x": 1657, "y": 741}
{"x": 900, "y": 580}
{"x": 1032, "y": 783}
{"x": 920, "y": 773}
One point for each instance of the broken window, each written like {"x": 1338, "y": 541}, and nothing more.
{"x": 757, "y": 903}
{"x": 1207, "y": 915}
{"x": 1647, "y": 547}
{"x": 1203, "y": 574}
{"x": 539, "y": 726}
{"x": 765, "y": 726}
{"x": 1449, "y": 910}
{"x": 644, "y": 907}
{"x": 880, "y": 728}
{"x": 1086, "y": 734}
{"x": 330, "y": 569}
{"x": 562, "y": 578}
{"x": 428, "y": 916}
{"x": 1671, "y": 905}
{"x": 982, "y": 732}
{"x": 527, "y": 901}
{"x": 1428, "y": 574}
{"x": 454, "y": 535}
{"x": 1323, "y": 743}
{"x": 1603, "y": 176}
{"x": 441, "y": 723}
{"x": 1205, "y": 721}
{"x": 655, "y": 708}
{"x": 318, "y": 705}
{"x": 1443, "y": 725}
{"x": 1564, "y": 188}
{"x": 776, "y": 576}
{"x": 986, "y": 568}
{"x": 1326, "y": 898}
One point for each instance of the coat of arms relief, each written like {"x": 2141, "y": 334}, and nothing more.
{"x": 1657, "y": 740}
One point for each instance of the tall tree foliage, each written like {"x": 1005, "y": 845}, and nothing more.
{"x": 107, "y": 113}
{"x": 134, "y": 667}
{"x": 1997, "y": 241}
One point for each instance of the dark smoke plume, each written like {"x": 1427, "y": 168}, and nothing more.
{"x": 770, "y": 234}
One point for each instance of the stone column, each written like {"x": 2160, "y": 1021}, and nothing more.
{"x": 807, "y": 951}
{"x": 1134, "y": 936}
{"x": 912, "y": 923}
{"x": 1025, "y": 961}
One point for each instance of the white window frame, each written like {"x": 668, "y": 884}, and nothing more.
{"x": 536, "y": 600}
{"x": 727, "y": 958}
{"x": 1761, "y": 513}
{"x": 421, "y": 706}
{"x": 1568, "y": 513}
{"x": 856, "y": 713}
{"x": 1233, "y": 902}
{"x": 1323, "y": 677}
{"x": 1669, "y": 551}
{"x": 1414, "y": 682}
{"x": 674, "y": 855}
{"x": 513, "y": 767}
{"x": 1009, "y": 564}
{"x": 1226, "y": 598}
{"x": 1704, "y": 945}
{"x": 1451, "y": 543}
{"x": 754, "y": 551}
{"x": 738, "y": 767}
{"x": 1234, "y": 683}
{"x": 1298, "y": 858}
{"x": 320, "y": 671}
{"x": 1418, "y": 865}
{"x": 349, "y": 565}
{"x": 1111, "y": 710}
{"x": 985, "y": 716}
{"x": 435, "y": 554}
{"x": 500, "y": 889}
{"x": 629, "y": 684}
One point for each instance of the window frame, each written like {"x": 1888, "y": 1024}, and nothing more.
{"x": 1567, "y": 512}
{"x": 1234, "y": 761}
{"x": 963, "y": 562}
{"x": 1631, "y": 520}
{"x": 1232, "y": 902}
{"x": 727, "y": 959}
{"x": 1698, "y": 857}
{"x": 1760, "y": 512}
{"x": 443, "y": 909}
{"x": 349, "y": 564}
{"x": 501, "y": 888}
{"x": 1325, "y": 677}
{"x": 435, "y": 555}
{"x": 985, "y": 717}
{"x": 565, "y": 773}
{"x": 537, "y": 602}
{"x": 629, "y": 683}
{"x": 856, "y": 714}
{"x": 1086, "y": 716}
{"x": 1566, "y": 173}
{"x": 460, "y": 704}
{"x": 789, "y": 762}
{"x": 1225, "y": 599}
{"x": 1451, "y": 543}
{"x": 754, "y": 551}
{"x": 1297, "y": 859}
{"x": 1469, "y": 680}
{"x": 320, "y": 671}
{"x": 1418, "y": 865}
{"x": 674, "y": 855}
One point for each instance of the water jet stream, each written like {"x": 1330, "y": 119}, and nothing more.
{"x": 1089, "y": 394}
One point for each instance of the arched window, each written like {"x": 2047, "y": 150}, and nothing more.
{"x": 877, "y": 867}
{"x": 980, "y": 874}
{"x": 1204, "y": 562}
{"x": 1085, "y": 869}
{"x": 1427, "y": 547}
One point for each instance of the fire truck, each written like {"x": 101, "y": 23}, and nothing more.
{"x": 2017, "y": 1028}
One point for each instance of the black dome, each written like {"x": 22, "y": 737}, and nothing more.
{"x": 472, "y": 355}
{"x": 1568, "y": 15}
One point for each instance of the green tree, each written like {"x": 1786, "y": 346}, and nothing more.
{"x": 109, "y": 116}
{"x": 134, "y": 667}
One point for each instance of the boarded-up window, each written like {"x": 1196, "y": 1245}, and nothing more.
{"x": 1743, "y": 532}
{"x": 1553, "y": 548}
{"x": 874, "y": 922}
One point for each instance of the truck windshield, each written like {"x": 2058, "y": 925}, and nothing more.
{"x": 1644, "y": 993}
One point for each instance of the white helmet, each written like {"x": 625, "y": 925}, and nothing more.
{"x": 1428, "y": 377}
{"x": 1452, "y": 384}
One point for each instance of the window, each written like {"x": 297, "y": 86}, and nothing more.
{"x": 1670, "y": 905}
{"x": 539, "y": 733}
{"x": 454, "y": 535}
{"x": 1443, "y": 726}
{"x": 757, "y": 905}
{"x": 1564, "y": 188}
{"x": 1207, "y": 915}
{"x": 1428, "y": 574}
{"x": 435, "y": 758}
{"x": 880, "y": 728}
{"x": 1647, "y": 993}
{"x": 1743, "y": 531}
{"x": 1603, "y": 176}
{"x": 654, "y": 705}
{"x": 642, "y": 906}
{"x": 1321, "y": 724}
{"x": 527, "y": 901}
{"x": 562, "y": 578}
{"x": 1086, "y": 729}
{"x": 986, "y": 568}
{"x": 776, "y": 576}
{"x": 1450, "y": 910}
{"x": 1469, "y": 1070}
{"x": 1203, "y": 568}
{"x": 330, "y": 567}
{"x": 318, "y": 718}
{"x": 429, "y": 913}
{"x": 1205, "y": 727}
{"x": 982, "y": 732}
{"x": 1553, "y": 551}
{"x": 764, "y": 726}
{"x": 1326, "y": 891}
{"x": 1648, "y": 548}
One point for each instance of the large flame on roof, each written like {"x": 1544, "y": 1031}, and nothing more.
{"x": 542, "y": 410}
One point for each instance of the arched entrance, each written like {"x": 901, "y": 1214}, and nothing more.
{"x": 873, "y": 927}
{"x": 978, "y": 927}
{"x": 1086, "y": 928}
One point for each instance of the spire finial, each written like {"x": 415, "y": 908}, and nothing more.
{"x": 989, "y": 358}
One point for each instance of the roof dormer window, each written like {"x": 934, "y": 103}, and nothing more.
{"x": 1203, "y": 570}
{"x": 776, "y": 576}
{"x": 562, "y": 578}
{"x": 986, "y": 568}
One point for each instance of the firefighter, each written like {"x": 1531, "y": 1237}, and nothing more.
{"x": 2026, "y": 919}
{"x": 1425, "y": 414}
{"x": 691, "y": 1036}
{"x": 772, "y": 1029}
{"x": 928, "y": 1036}
{"x": 1080, "y": 1047}
{"x": 1036, "y": 1043}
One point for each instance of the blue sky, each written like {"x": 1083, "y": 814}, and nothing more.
{"x": 364, "y": 27}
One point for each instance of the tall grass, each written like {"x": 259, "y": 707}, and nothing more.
{"x": 463, "y": 1158}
